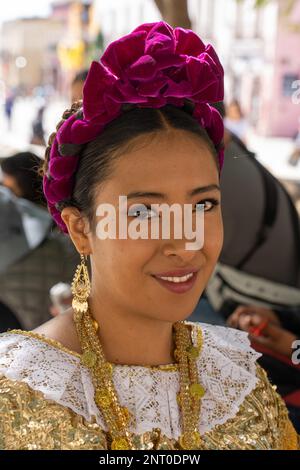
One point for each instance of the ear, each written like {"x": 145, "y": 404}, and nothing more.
{"x": 78, "y": 227}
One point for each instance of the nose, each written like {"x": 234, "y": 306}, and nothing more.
{"x": 177, "y": 250}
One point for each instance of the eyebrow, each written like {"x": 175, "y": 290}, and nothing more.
{"x": 199, "y": 190}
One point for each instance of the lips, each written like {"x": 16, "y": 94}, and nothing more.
{"x": 177, "y": 287}
{"x": 177, "y": 272}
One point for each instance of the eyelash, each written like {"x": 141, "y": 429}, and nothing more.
{"x": 213, "y": 201}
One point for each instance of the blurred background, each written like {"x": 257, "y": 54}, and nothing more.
{"x": 44, "y": 44}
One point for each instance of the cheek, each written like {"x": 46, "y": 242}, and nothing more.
{"x": 213, "y": 236}
{"x": 122, "y": 260}
{"x": 135, "y": 256}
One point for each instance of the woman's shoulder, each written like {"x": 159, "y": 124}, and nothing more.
{"x": 44, "y": 392}
{"x": 225, "y": 347}
{"x": 50, "y": 351}
{"x": 62, "y": 330}
{"x": 57, "y": 335}
{"x": 241, "y": 392}
{"x": 29, "y": 421}
{"x": 39, "y": 358}
{"x": 227, "y": 370}
{"x": 261, "y": 422}
{"x": 43, "y": 359}
{"x": 224, "y": 335}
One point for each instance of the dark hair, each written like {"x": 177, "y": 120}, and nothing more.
{"x": 97, "y": 157}
{"x": 24, "y": 167}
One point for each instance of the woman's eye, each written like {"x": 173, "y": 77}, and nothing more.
{"x": 208, "y": 204}
{"x": 145, "y": 212}
{"x": 141, "y": 211}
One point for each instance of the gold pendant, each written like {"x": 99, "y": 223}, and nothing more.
{"x": 120, "y": 443}
{"x": 81, "y": 287}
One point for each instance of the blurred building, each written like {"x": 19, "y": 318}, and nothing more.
{"x": 50, "y": 51}
{"x": 81, "y": 41}
{"x": 259, "y": 48}
{"x": 117, "y": 18}
{"x": 28, "y": 55}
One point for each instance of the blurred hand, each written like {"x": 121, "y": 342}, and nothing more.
{"x": 264, "y": 332}
{"x": 266, "y": 313}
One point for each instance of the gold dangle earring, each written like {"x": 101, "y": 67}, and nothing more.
{"x": 81, "y": 288}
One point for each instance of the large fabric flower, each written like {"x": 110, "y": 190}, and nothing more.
{"x": 152, "y": 66}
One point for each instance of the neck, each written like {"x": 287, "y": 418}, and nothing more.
{"x": 130, "y": 338}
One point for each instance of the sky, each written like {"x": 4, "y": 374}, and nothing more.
{"x": 23, "y": 8}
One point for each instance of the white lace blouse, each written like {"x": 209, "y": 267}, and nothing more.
{"x": 226, "y": 367}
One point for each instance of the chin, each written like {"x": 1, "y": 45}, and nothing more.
{"x": 174, "y": 315}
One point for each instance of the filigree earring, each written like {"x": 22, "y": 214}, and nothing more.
{"x": 81, "y": 287}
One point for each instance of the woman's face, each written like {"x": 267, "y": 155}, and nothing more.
{"x": 124, "y": 270}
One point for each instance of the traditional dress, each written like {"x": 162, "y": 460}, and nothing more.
{"x": 47, "y": 397}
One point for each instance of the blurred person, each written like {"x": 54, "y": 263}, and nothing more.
{"x": 77, "y": 85}
{"x": 8, "y": 106}
{"x": 33, "y": 254}
{"x": 37, "y": 137}
{"x": 235, "y": 120}
{"x": 126, "y": 341}
{"x": 20, "y": 175}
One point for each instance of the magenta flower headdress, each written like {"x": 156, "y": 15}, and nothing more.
{"x": 153, "y": 66}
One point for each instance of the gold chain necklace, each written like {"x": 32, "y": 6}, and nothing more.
{"x": 116, "y": 416}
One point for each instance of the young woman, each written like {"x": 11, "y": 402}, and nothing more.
{"x": 123, "y": 369}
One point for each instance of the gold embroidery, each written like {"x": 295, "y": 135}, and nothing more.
{"x": 29, "y": 421}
